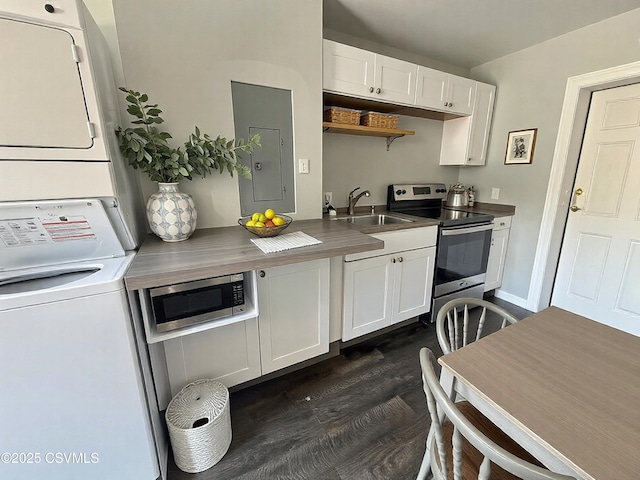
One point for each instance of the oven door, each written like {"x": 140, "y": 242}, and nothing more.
{"x": 462, "y": 257}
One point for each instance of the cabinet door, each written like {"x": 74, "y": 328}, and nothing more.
{"x": 347, "y": 69}
{"x": 413, "y": 281}
{"x": 481, "y": 124}
{"x": 431, "y": 89}
{"x": 461, "y": 94}
{"x": 395, "y": 80}
{"x": 294, "y": 313}
{"x": 497, "y": 256}
{"x": 229, "y": 354}
{"x": 367, "y": 296}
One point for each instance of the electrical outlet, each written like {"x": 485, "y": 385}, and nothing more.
{"x": 328, "y": 197}
{"x": 303, "y": 165}
{"x": 495, "y": 193}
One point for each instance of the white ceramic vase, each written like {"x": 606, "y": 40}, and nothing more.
{"x": 171, "y": 213}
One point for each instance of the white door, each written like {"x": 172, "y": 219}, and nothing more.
{"x": 294, "y": 313}
{"x": 395, "y": 80}
{"x": 347, "y": 69}
{"x": 599, "y": 270}
{"x": 461, "y": 94}
{"x": 413, "y": 283}
{"x": 368, "y": 285}
{"x": 432, "y": 88}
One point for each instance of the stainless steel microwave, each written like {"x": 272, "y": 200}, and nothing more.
{"x": 183, "y": 304}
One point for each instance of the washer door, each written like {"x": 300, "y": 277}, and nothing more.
{"x": 33, "y": 282}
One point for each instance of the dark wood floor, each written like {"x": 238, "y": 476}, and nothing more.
{"x": 360, "y": 415}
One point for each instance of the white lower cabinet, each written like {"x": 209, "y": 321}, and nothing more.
{"x": 292, "y": 326}
{"x": 229, "y": 354}
{"x": 383, "y": 290}
{"x": 294, "y": 313}
{"x": 497, "y": 253}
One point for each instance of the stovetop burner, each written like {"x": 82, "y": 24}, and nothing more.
{"x": 425, "y": 200}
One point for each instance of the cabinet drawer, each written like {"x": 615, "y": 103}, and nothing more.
{"x": 500, "y": 223}
{"x": 400, "y": 240}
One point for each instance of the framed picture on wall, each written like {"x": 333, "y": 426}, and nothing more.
{"x": 520, "y": 146}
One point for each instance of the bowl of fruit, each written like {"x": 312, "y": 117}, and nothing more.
{"x": 266, "y": 224}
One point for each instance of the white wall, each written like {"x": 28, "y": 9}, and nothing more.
{"x": 530, "y": 92}
{"x": 185, "y": 54}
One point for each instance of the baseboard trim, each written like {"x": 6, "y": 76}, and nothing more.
{"x": 507, "y": 297}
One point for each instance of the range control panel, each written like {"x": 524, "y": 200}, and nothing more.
{"x": 418, "y": 191}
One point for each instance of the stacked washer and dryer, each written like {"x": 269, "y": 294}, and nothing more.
{"x": 77, "y": 398}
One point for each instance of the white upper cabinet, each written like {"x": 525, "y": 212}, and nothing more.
{"x": 356, "y": 72}
{"x": 481, "y": 124}
{"x": 395, "y": 80}
{"x": 444, "y": 92}
{"x": 465, "y": 139}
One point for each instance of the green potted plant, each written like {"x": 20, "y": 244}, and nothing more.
{"x": 171, "y": 213}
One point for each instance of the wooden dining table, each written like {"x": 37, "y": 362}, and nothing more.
{"x": 564, "y": 387}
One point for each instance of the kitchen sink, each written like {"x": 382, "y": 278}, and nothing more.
{"x": 380, "y": 219}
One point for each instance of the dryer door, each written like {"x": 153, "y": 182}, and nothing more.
{"x": 41, "y": 93}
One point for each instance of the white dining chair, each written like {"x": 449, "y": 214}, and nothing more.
{"x": 454, "y": 321}
{"x": 464, "y": 444}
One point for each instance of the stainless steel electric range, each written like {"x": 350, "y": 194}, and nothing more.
{"x": 464, "y": 239}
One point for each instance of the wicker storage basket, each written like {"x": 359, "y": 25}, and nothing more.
{"x": 380, "y": 120}
{"x": 342, "y": 115}
{"x": 199, "y": 425}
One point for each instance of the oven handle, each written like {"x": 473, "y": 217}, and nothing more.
{"x": 465, "y": 230}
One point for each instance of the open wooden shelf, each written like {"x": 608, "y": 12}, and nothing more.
{"x": 362, "y": 130}
{"x": 390, "y": 133}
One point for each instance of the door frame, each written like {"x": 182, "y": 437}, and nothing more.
{"x": 563, "y": 171}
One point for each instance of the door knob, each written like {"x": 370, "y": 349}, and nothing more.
{"x": 574, "y": 207}
{"x": 378, "y": 90}
{"x": 258, "y": 166}
{"x": 370, "y": 89}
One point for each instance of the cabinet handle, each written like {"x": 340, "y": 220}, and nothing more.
{"x": 502, "y": 224}
{"x": 446, "y": 104}
{"x": 378, "y": 90}
{"x": 371, "y": 89}
{"x": 49, "y": 8}
{"x": 262, "y": 274}
{"x": 393, "y": 260}
{"x": 400, "y": 259}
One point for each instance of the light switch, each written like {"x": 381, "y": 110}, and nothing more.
{"x": 303, "y": 165}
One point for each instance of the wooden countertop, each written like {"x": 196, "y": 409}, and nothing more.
{"x": 221, "y": 251}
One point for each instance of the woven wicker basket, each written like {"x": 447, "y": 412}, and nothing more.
{"x": 199, "y": 425}
{"x": 380, "y": 120}
{"x": 342, "y": 115}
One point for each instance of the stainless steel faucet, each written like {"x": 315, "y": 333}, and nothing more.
{"x": 353, "y": 200}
